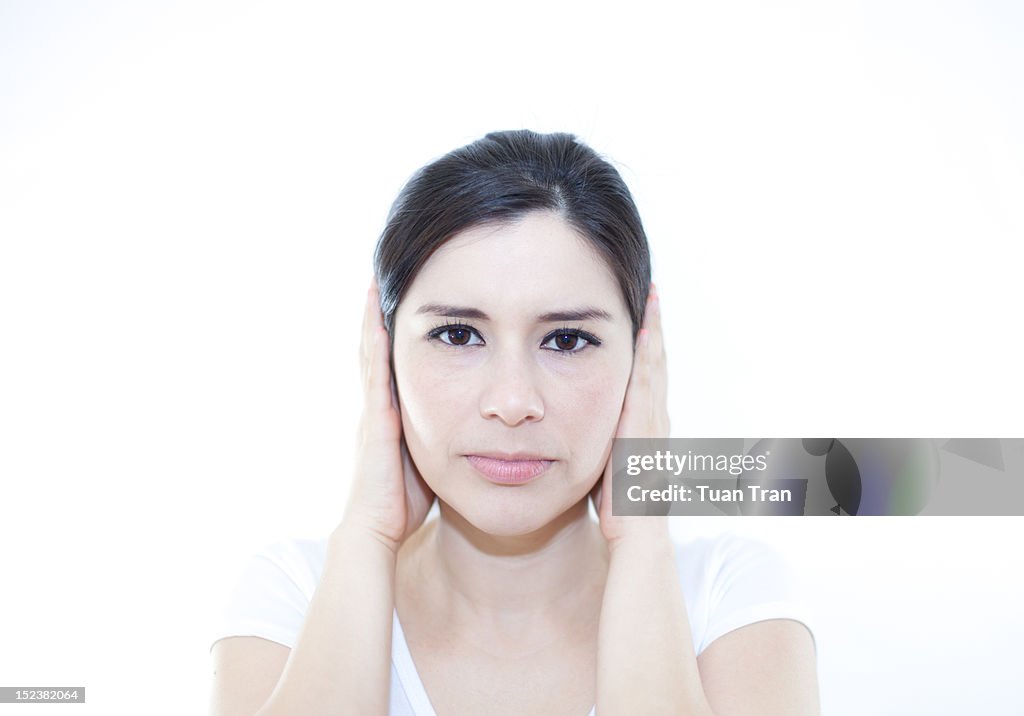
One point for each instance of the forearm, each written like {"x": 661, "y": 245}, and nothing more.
{"x": 341, "y": 662}
{"x": 646, "y": 662}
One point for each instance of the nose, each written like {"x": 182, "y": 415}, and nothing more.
{"x": 511, "y": 393}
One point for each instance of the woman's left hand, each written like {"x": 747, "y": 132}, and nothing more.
{"x": 644, "y": 415}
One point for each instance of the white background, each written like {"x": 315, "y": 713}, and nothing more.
{"x": 189, "y": 198}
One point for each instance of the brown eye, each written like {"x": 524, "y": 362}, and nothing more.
{"x": 458, "y": 336}
{"x": 566, "y": 341}
{"x": 569, "y": 342}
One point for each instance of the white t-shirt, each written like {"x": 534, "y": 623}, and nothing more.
{"x": 727, "y": 582}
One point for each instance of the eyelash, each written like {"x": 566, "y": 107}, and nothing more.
{"x": 591, "y": 339}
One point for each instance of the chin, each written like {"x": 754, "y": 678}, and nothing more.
{"x": 512, "y": 514}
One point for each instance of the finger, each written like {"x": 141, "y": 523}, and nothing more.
{"x": 647, "y": 396}
{"x": 376, "y": 314}
{"x": 653, "y": 322}
{"x": 636, "y": 406}
{"x": 366, "y": 336}
{"x": 377, "y": 373}
{"x": 641, "y": 379}
{"x": 373, "y": 320}
{"x": 378, "y": 382}
{"x": 658, "y": 365}
{"x": 394, "y": 387}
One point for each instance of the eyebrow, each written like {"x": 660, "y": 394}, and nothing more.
{"x": 578, "y": 314}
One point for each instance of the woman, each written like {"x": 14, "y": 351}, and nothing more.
{"x": 515, "y": 313}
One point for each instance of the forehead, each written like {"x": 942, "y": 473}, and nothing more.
{"x": 529, "y": 264}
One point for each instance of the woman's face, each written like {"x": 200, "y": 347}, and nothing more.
{"x": 485, "y": 365}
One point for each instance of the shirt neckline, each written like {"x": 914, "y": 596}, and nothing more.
{"x": 407, "y": 673}
{"x": 410, "y": 677}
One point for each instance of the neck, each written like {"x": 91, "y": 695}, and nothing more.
{"x": 509, "y": 589}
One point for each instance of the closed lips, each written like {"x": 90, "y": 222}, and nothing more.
{"x": 505, "y": 470}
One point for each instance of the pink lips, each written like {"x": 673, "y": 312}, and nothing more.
{"x": 508, "y": 472}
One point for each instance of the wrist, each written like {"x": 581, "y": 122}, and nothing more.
{"x": 647, "y": 535}
{"x": 354, "y": 529}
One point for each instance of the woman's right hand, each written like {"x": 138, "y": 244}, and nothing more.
{"x": 388, "y": 495}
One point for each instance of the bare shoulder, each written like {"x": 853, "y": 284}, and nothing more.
{"x": 768, "y": 667}
{"x": 245, "y": 671}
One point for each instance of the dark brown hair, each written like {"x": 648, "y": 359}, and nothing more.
{"x": 498, "y": 179}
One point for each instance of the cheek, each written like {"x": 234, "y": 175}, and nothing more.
{"x": 587, "y": 413}
{"x": 437, "y": 405}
